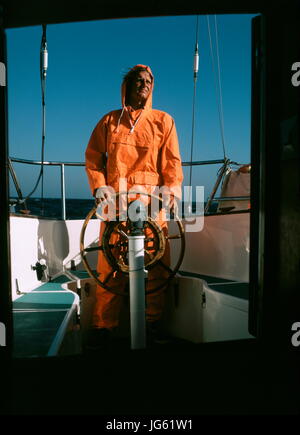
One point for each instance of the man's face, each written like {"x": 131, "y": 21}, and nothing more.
{"x": 141, "y": 87}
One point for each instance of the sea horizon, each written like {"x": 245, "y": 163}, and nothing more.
{"x": 76, "y": 208}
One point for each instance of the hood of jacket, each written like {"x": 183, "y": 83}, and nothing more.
{"x": 148, "y": 104}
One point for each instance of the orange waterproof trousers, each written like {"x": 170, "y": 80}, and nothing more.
{"x": 108, "y": 305}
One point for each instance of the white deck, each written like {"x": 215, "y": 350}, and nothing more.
{"x": 196, "y": 310}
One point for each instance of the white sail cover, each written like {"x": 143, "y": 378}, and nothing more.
{"x": 236, "y": 183}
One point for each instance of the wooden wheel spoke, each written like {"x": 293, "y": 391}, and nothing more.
{"x": 173, "y": 236}
{"x": 93, "y": 248}
{"x": 121, "y": 232}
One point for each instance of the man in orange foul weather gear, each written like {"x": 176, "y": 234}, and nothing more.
{"x": 140, "y": 145}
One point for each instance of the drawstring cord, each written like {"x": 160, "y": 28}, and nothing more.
{"x": 133, "y": 125}
{"x": 135, "y": 122}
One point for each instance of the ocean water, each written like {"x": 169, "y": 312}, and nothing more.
{"x": 52, "y": 207}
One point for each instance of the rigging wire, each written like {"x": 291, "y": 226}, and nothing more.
{"x": 196, "y": 69}
{"x": 43, "y": 71}
{"x": 220, "y": 85}
{"x": 217, "y": 79}
{"x": 43, "y": 74}
{"x": 218, "y": 90}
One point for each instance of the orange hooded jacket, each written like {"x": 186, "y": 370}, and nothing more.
{"x": 141, "y": 147}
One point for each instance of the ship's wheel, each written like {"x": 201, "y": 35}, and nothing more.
{"x": 114, "y": 243}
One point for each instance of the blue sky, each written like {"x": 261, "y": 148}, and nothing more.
{"x": 86, "y": 65}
